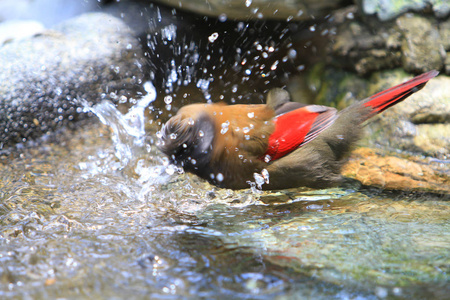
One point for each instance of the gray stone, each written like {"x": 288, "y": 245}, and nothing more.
{"x": 386, "y": 10}
{"x": 43, "y": 78}
{"x": 413, "y": 42}
{"x": 421, "y": 47}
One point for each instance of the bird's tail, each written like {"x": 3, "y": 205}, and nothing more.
{"x": 385, "y": 99}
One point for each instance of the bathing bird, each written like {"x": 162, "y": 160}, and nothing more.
{"x": 277, "y": 145}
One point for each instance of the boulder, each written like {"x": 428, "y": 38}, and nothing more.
{"x": 44, "y": 78}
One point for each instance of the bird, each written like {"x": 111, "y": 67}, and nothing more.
{"x": 277, "y": 145}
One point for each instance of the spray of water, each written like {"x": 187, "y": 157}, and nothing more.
{"x": 128, "y": 130}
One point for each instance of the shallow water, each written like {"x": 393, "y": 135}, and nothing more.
{"x": 78, "y": 222}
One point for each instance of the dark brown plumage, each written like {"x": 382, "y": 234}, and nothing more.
{"x": 286, "y": 144}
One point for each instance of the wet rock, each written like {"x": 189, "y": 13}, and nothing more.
{"x": 243, "y": 10}
{"x": 386, "y": 10}
{"x": 433, "y": 139}
{"x": 421, "y": 46}
{"x": 43, "y": 78}
{"x": 395, "y": 173}
{"x": 413, "y": 42}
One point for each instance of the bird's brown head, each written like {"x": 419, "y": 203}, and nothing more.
{"x": 187, "y": 140}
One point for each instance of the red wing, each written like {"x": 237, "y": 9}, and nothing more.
{"x": 296, "y": 128}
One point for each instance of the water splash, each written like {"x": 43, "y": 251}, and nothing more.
{"x": 128, "y": 131}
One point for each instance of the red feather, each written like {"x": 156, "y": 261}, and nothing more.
{"x": 297, "y": 127}
{"x": 385, "y": 99}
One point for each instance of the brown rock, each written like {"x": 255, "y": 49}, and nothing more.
{"x": 394, "y": 173}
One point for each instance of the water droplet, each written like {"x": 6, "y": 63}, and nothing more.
{"x": 292, "y": 54}
{"x": 248, "y": 3}
{"x": 201, "y": 133}
{"x": 193, "y": 161}
{"x": 312, "y": 28}
{"x": 213, "y": 37}
{"x": 173, "y": 136}
{"x": 267, "y": 158}
{"x": 184, "y": 146}
{"x": 274, "y": 66}
{"x": 170, "y": 170}
{"x": 225, "y": 126}
{"x": 223, "y": 17}
{"x": 168, "y": 99}
{"x": 259, "y": 180}
{"x": 219, "y": 177}
{"x": 340, "y": 136}
{"x": 251, "y": 115}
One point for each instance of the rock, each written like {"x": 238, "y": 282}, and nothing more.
{"x": 421, "y": 44}
{"x": 386, "y": 10}
{"x": 394, "y": 173}
{"x": 258, "y": 9}
{"x": 42, "y": 78}
{"x": 413, "y": 42}
{"x": 433, "y": 139}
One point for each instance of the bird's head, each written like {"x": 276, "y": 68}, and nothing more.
{"x": 187, "y": 140}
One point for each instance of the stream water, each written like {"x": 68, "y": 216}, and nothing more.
{"x": 99, "y": 213}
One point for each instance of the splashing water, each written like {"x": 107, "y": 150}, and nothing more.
{"x": 128, "y": 131}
